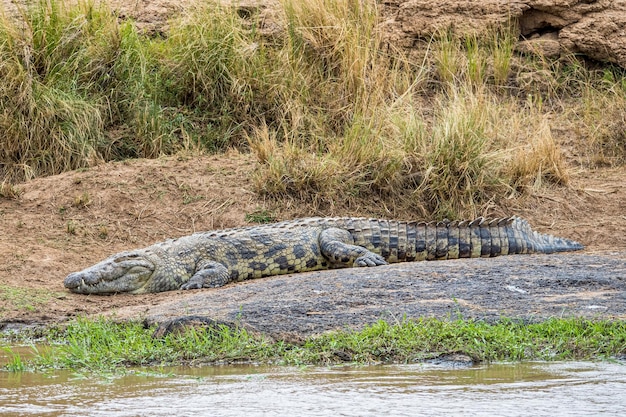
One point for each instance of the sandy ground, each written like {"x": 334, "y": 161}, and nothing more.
{"x": 67, "y": 222}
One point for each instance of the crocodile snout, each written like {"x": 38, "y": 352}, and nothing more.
{"x": 73, "y": 280}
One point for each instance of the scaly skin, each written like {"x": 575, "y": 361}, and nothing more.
{"x": 213, "y": 259}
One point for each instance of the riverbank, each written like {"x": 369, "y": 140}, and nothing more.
{"x": 101, "y": 346}
{"x": 298, "y": 125}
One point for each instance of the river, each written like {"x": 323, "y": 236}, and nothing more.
{"x": 521, "y": 389}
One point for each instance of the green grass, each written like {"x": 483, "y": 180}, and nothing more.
{"x": 27, "y": 299}
{"x": 260, "y": 216}
{"x": 327, "y": 106}
{"x": 103, "y": 346}
{"x": 15, "y": 362}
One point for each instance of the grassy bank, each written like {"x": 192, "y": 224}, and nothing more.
{"x": 327, "y": 105}
{"x": 102, "y": 346}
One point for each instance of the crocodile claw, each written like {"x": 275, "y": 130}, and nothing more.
{"x": 370, "y": 259}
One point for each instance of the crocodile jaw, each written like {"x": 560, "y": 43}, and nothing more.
{"x": 123, "y": 272}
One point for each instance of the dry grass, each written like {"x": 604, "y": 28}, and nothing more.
{"x": 538, "y": 161}
{"x": 444, "y": 153}
{"x": 9, "y": 190}
{"x": 601, "y": 117}
{"x": 46, "y": 63}
{"x": 335, "y": 116}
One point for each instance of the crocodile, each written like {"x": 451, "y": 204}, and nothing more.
{"x": 215, "y": 258}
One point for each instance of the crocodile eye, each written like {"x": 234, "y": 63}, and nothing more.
{"x": 138, "y": 269}
{"x": 127, "y": 257}
{"x": 135, "y": 265}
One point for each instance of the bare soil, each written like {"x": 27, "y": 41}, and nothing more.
{"x": 67, "y": 222}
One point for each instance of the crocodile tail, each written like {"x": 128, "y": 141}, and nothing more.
{"x": 538, "y": 242}
{"x": 399, "y": 241}
{"x": 487, "y": 238}
{"x": 417, "y": 241}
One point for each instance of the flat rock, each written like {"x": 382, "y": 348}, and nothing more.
{"x": 530, "y": 288}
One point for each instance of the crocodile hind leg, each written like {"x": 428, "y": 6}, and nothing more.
{"x": 337, "y": 245}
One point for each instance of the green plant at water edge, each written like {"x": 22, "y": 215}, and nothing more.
{"x": 15, "y": 363}
{"x": 506, "y": 340}
{"x": 103, "y": 346}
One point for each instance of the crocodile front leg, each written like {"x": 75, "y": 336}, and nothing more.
{"x": 337, "y": 245}
{"x": 210, "y": 274}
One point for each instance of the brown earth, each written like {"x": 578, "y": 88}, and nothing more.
{"x": 67, "y": 222}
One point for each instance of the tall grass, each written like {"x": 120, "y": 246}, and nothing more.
{"x": 335, "y": 115}
{"x": 47, "y": 63}
{"x": 602, "y": 116}
{"x": 432, "y": 143}
{"x": 139, "y": 118}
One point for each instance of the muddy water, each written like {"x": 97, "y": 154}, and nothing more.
{"x": 538, "y": 389}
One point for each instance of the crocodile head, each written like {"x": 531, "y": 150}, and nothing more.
{"x": 134, "y": 272}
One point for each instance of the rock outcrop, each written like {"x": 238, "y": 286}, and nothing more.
{"x": 596, "y": 29}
